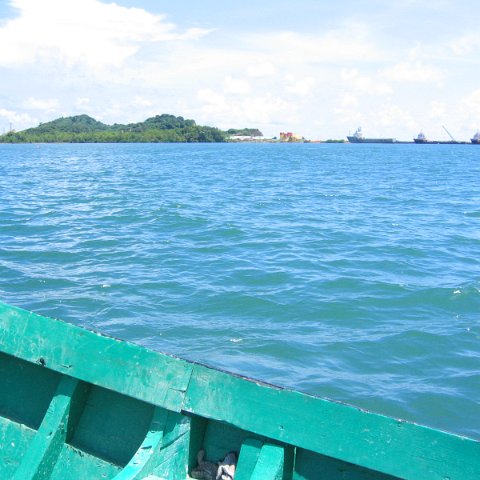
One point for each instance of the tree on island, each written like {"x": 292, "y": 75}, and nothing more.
{"x": 245, "y": 132}
{"x": 85, "y": 129}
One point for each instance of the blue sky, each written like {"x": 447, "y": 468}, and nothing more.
{"x": 315, "y": 68}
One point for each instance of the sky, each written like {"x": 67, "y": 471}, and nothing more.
{"x": 315, "y": 68}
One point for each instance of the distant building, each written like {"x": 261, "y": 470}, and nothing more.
{"x": 291, "y": 137}
{"x": 246, "y": 138}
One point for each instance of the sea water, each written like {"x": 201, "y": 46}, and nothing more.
{"x": 346, "y": 271}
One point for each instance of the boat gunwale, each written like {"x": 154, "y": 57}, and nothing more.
{"x": 324, "y": 426}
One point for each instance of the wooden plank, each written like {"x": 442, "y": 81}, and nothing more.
{"x": 172, "y": 462}
{"x": 15, "y": 439}
{"x": 248, "y": 458}
{"x": 123, "y": 367}
{"x": 373, "y": 441}
{"x": 264, "y": 461}
{"x": 75, "y": 464}
{"x": 142, "y": 462}
{"x": 40, "y": 458}
{"x": 270, "y": 464}
{"x": 309, "y": 466}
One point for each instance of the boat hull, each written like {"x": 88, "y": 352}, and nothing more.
{"x": 353, "y": 139}
{"x": 438, "y": 142}
{"x": 75, "y": 404}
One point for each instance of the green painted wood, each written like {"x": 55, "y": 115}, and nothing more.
{"x": 198, "y": 428}
{"x": 141, "y": 463}
{"x": 264, "y": 461}
{"x": 144, "y": 379}
{"x": 119, "y": 366}
{"x": 172, "y": 463}
{"x": 75, "y": 464}
{"x": 112, "y": 426}
{"x": 288, "y": 462}
{"x": 39, "y": 460}
{"x": 15, "y": 439}
{"x": 270, "y": 464}
{"x": 221, "y": 438}
{"x": 28, "y": 382}
{"x": 369, "y": 440}
{"x": 310, "y": 465}
{"x": 248, "y": 458}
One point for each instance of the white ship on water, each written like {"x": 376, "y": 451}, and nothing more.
{"x": 358, "y": 137}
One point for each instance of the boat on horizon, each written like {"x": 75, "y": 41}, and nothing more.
{"x": 476, "y": 138}
{"x": 422, "y": 139}
{"x": 358, "y": 137}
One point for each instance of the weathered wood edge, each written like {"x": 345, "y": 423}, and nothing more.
{"x": 95, "y": 358}
{"x": 341, "y": 431}
{"x": 41, "y": 456}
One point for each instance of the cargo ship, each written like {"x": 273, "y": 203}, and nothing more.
{"x": 476, "y": 138}
{"x": 421, "y": 138}
{"x": 358, "y": 137}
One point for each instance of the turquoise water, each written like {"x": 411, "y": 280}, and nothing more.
{"x": 346, "y": 271}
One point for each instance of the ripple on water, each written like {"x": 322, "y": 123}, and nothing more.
{"x": 350, "y": 273}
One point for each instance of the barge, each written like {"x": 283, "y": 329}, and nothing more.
{"x": 358, "y": 137}
{"x": 422, "y": 139}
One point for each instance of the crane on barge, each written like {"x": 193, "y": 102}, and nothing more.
{"x": 449, "y": 134}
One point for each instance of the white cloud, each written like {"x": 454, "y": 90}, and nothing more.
{"x": 82, "y": 102}
{"x": 236, "y": 86}
{"x": 466, "y": 44}
{"x": 470, "y": 106}
{"x": 209, "y": 97}
{"x": 301, "y": 87}
{"x": 349, "y": 101}
{"x": 47, "y": 104}
{"x": 86, "y": 32}
{"x": 247, "y": 110}
{"x": 348, "y": 116}
{"x": 414, "y": 71}
{"x": 265, "y": 69}
{"x": 438, "y": 110}
{"x": 18, "y": 120}
{"x": 140, "y": 101}
{"x": 364, "y": 83}
{"x": 334, "y": 46}
{"x": 392, "y": 115}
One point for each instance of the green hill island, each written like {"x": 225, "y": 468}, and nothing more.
{"x": 85, "y": 129}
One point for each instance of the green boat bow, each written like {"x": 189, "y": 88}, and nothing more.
{"x": 75, "y": 404}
